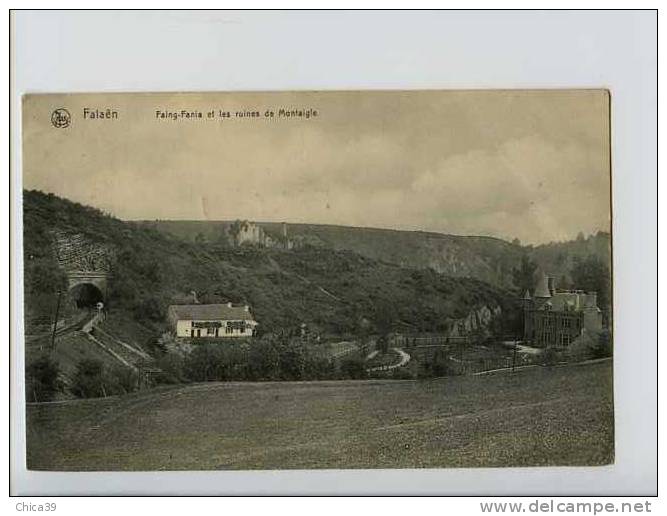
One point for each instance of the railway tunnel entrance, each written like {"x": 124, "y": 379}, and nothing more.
{"x": 86, "y": 295}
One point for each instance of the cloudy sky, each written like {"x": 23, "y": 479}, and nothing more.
{"x": 532, "y": 165}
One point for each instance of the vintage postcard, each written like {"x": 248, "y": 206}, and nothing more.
{"x": 302, "y": 280}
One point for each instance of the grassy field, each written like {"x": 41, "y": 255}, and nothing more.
{"x": 539, "y": 417}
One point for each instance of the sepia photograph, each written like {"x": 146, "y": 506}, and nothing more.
{"x": 317, "y": 280}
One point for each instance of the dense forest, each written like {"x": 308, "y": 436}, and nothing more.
{"x": 332, "y": 290}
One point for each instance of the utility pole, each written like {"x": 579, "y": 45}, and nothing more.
{"x": 55, "y": 322}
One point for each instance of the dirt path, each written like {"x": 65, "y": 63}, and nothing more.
{"x": 405, "y": 358}
{"x": 352, "y": 347}
{"x": 535, "y": 366}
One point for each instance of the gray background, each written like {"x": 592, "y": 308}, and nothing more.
{"x": 185, "y": 51}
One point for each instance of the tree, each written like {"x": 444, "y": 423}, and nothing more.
{"x": 524, "y": 275}
{"x": 42, "y": 276}
{"x": 603, "y": 346}
{"x": 292, "y": 361}
{"x": 382, "y": 344}
{"x": 149, "y": 308}
{"x": 592, "y": 275}
{"x": 42, "y": 379}
{"x": 385, "y": 314}
{"x": 122, "y": 380}
{"x": 89, "y": 379}
{"x": 364, "y": 332}
{"x": 202, "y": 364}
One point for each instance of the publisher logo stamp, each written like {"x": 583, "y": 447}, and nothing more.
{"x": 61, "y": 118}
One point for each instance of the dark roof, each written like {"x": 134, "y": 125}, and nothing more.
{"x": 211, "y": 312}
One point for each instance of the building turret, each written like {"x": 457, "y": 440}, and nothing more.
{"x": 527, "y": 301}
{"x": 542, "y": 291}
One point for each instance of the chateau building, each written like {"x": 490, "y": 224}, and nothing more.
{"x": 212, "y": 321}
{"x": 558, "y": 317}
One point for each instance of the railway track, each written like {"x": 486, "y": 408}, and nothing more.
{"x": 69, "y": 328}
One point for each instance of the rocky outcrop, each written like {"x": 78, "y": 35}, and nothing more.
{"x": 478, "y": 319}
{"x": 244, "y": 232}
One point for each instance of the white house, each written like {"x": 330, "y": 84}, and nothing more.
{"x": 212, "y": 321}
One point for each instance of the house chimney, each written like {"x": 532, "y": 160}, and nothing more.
{"x": 551, "y": 284}
{"x": 229, "y": 304}
{"x": 246, "y": 308}
{"x": 592, "y": 299}
{"x": 194, "y": 297}
{"x": 542, "y": 291}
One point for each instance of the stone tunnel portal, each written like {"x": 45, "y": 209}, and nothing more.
{"x": 86, "y": 295}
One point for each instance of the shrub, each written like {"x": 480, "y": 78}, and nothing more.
{"x": 590, "y": 346}
{"x": 442, "y": 365}
{"x": 121, "y": 380}
{"x": 263, "y": 361}
{"x": 402, "y": 373}
{"x": 603, "y": 347}
{"x": 42, "y": 379}
{"x": 353, "y": 368}
{"x": 201, "y": 365}
{"x": 89, "y": 379}
{"x": 292, "y": 363}
{"x": 172, "y": 366}
{"x": 550, "y": 356}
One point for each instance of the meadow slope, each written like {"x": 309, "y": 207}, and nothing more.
{"x": 539, "y": 417}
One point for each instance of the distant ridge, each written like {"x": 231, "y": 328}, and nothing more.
{"x": 483, "y": 257}
{"x": 487, "y": 258}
